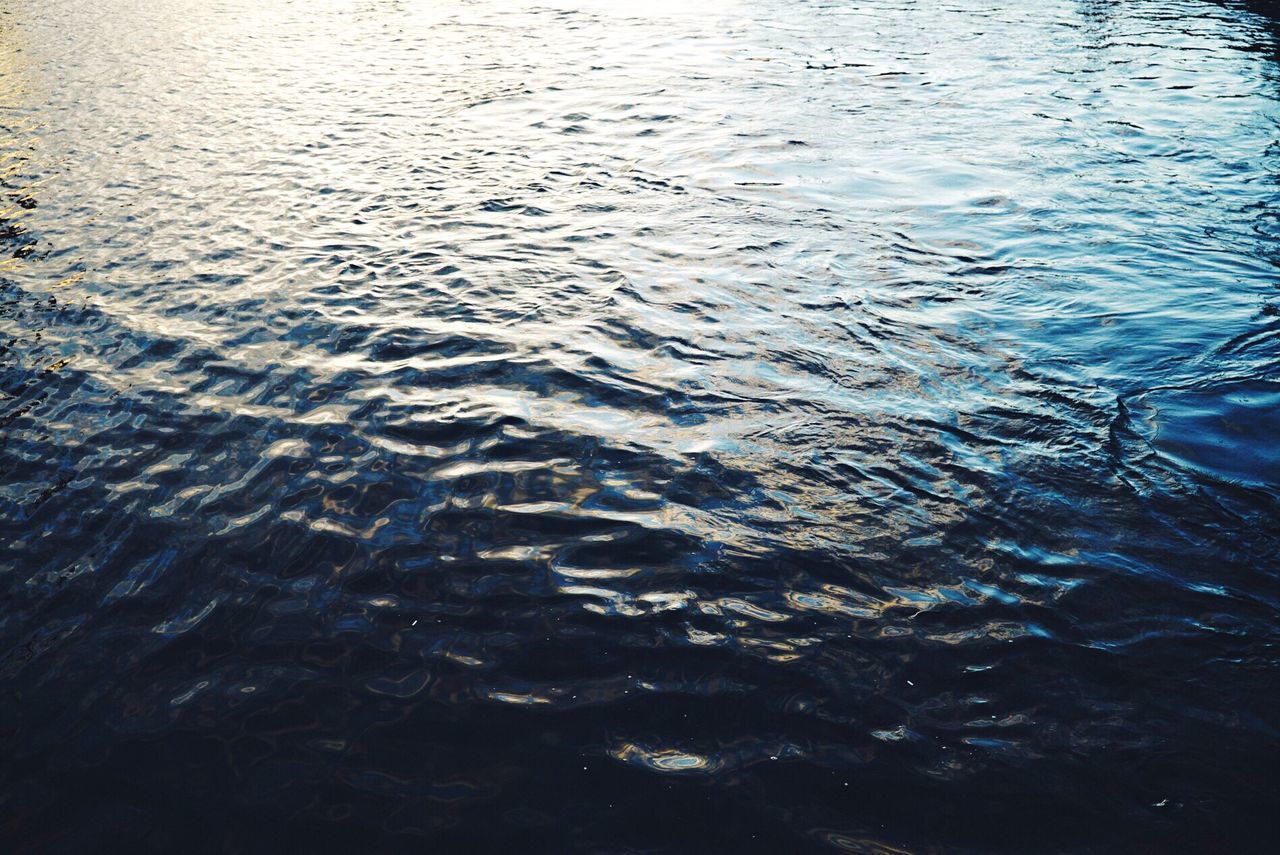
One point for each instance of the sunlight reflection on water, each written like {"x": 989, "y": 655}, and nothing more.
{"x": 500, "y": 423}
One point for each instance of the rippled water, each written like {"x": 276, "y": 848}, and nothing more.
{"x": 672, "y": 426}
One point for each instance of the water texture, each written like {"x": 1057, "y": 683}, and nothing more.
{"x": 720, "y": 426}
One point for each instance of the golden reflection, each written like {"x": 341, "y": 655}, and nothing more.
{"x": 14, "y": 68}
{"x": 518, "y": 699}
{"x": 669, "y": 760}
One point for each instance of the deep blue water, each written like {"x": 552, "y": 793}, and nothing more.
{"x": 736, "y": 426}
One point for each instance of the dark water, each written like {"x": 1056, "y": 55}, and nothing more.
{"x": 639, "y": 427}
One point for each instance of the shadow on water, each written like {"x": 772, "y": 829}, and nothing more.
{"x": 666, "y": 442}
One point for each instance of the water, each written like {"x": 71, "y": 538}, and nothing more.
{"x": 639, "y": 427}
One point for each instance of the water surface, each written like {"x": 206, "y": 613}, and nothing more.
{"x": 596, "y": 426}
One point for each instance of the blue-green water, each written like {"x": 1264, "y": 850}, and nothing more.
{"x": 617, "y": 427}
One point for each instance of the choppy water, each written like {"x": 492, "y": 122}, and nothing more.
{"x": 674, "y": 426}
